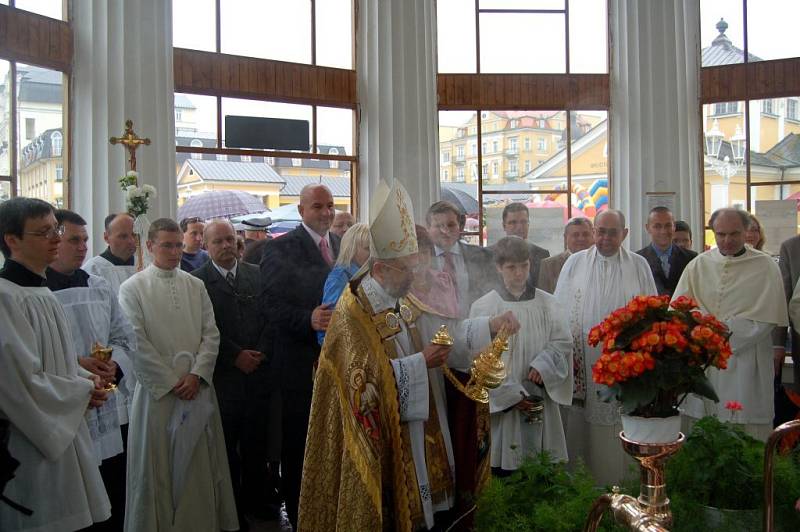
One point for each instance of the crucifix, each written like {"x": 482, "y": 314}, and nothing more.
{"x": 131, "y": 142}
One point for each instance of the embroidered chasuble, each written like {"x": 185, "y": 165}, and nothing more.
{"x": 379, "y": 452}
{"x": 542, "y": 343}
{"x": 745, "y": 293}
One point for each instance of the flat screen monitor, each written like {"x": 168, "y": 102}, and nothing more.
{"x": 251, "y": 132}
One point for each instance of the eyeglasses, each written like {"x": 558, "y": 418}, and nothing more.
{"x": 50, "y": 234}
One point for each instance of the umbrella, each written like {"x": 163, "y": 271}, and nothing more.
{"x": 281, "y": 228}
{"x": 461, "y": 199}
{"x": 285, "y": 213}
{"x": 220, "y": 204}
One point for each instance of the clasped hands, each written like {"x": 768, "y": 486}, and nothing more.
{"x": 248, "y": 360}
{"x": 103, "y": 374}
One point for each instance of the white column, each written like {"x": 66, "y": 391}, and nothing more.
{"x": 122, "y": 69}
{"x": 655, "y": 129}
{"x": 396, "y": 44}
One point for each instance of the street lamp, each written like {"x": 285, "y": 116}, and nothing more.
{"x": 725, "y": 167}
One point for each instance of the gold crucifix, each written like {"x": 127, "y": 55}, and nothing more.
{"x": 131, "y": 142}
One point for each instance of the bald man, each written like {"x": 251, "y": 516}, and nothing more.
{"x": 592, "y": 284}
{"x": 294, "y": 269}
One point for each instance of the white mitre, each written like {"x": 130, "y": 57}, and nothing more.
{"x": 391, "y": 223}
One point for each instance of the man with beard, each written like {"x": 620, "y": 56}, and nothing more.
{"x": 379, "y": 443}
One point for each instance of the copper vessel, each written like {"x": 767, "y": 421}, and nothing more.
{"x": 650, "y": 511}
{"x": 769, "y": 465}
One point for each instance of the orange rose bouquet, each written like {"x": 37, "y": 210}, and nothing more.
{"x": 655, "y": 353}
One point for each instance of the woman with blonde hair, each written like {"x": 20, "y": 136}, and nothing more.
{"x": 754, "y": 234}
{"x": 353, "y": 253}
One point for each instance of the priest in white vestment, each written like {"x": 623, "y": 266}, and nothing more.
{"x": 408, "y": 327}
{"x": 743, "y": 288}
{"x": 538, "y": 363}
{"x": 94, "y": 315}
{"x": 44, "y": 393}
{"x": 173, "y": 319}
{"x": 116, "y": 265}
{"x": 592, "y": 284}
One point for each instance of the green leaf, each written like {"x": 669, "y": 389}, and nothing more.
{"x": 703, "y": 387}
{"x": 625, "y": 337}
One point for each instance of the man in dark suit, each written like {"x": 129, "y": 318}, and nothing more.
{"x": 516, "y": 222}
{"x": 578, "y": 235}
{"x": 471, "y": 267}
{"x": 294, "y": 269}
{"x": 241, "y": 376}
{"x": 789, "y": 263}
{"x": 667, "y": 261}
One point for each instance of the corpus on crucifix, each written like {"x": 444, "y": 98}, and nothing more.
{"x": 137, "y": 198}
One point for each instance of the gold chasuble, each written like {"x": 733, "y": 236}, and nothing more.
{"x": 359, "y": 473}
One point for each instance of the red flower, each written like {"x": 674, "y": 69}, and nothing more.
{"x": 734, "y": 406}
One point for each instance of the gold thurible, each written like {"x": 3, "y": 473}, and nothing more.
{"x": 487, "y": 371}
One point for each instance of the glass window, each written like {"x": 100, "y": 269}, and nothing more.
{"x": 506, "y": 43}
{"x": 771, "y": 27}
{"x": 48, "y": 8}
{"x": 335, "y": 130}
{"x": 722, "y": 32}
{"x": 588, "y": 36}
{"x": 269, "y": 30}
{"x": 40, "y": 101}
{"x": 195, "y": 118}
{"x": 725, "y": 170}
{"x": 194, "y": 24}
{"x": 334, "y": 29}
{"x": 5, "y": 120}
{"x": 791, "y": 109}
{"x": 456, "y": 45}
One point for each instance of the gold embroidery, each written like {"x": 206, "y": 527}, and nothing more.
{"x": 407, "y": 226}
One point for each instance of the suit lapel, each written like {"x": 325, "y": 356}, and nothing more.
{"x": 215, "y": 278}
{"x": 310, "y": 247}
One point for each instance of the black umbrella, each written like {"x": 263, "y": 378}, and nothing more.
{"x": 461, "y": 199}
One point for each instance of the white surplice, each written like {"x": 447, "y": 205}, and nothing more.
{"x": 170, "y": 312}
{"x": 44, "y": 394}
{"x": 543, "y": 343}
{"x": 94, "y": 315}
{"x": 589, "y": 288}
{"x": 745, "y": 293}
{"x": 115, "y": 275}
{"x": 416, "y": 383}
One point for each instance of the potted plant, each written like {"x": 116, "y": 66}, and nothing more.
{"x": 716, "y": 480}
{"x": 542, "y": 495}
{"x": 653, "y": 354}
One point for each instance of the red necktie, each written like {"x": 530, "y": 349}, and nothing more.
{"x": 326, "y": 251}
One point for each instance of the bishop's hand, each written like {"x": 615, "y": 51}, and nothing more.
{"x": 435, "y": 355}
{"x": 508, "y": 319}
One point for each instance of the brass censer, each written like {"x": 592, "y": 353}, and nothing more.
{"x": 487, "y": 371}
{"x": 104, "y": 355}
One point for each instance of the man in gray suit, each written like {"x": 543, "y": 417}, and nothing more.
{"x": 241, "y": 377}
{"x": 517, "y": 222}
{"x": 578, "y": 235}
{"x": 789, "y": 263}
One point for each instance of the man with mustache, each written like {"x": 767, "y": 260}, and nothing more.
{"x": 241, "y": 374}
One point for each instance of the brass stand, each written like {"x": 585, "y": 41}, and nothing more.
{"x": 769, "y": 459}
{"x": 650, "y": 511}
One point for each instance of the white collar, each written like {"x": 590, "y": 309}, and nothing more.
{"x": 378, "y": 298}
{"x": 223, "y": 272}
{"x": 316, "y": 236}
